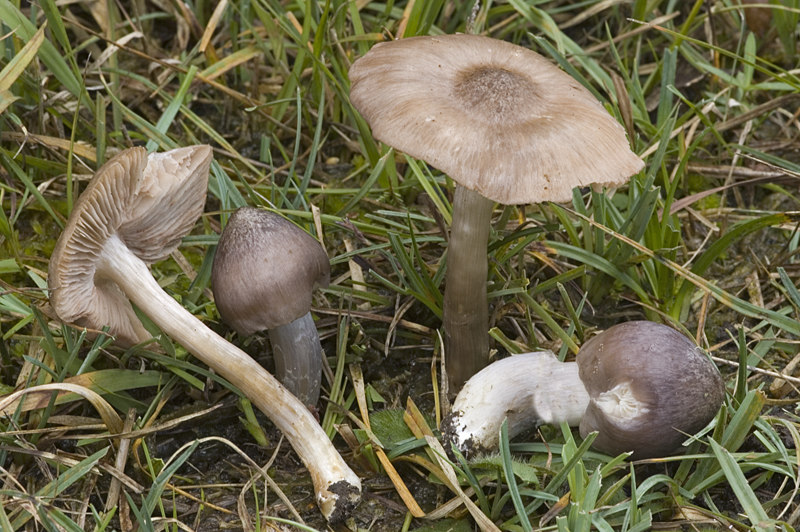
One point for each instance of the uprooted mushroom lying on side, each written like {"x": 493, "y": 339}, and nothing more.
{"x": 644, "y": 387}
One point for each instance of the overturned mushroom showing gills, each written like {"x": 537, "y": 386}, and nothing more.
{"x": 134, "y": 212}
{"x": 265, "y": 269}
{"x": 641, "y": 385}
{"x": 504, "y": 123}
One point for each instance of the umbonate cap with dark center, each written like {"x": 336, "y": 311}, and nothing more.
{"x": 496, "y": 117}
{"x": 149, "y": 203}
{"x": 265, "y": 269}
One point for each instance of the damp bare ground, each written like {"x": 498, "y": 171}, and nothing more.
{"x": 704, "y": 239}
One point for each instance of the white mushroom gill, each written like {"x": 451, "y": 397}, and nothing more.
{"x": 620, "y": 404}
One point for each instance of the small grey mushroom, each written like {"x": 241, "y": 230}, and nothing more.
{"x": 641, "y": 385}
{"x": 265, "y": 269}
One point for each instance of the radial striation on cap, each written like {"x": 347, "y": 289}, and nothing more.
{"x": 497, "y": 118}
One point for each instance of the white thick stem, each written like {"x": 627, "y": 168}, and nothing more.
{"x": 298, "y": 358}
{"x": 337, "y": 487}
{"x": 528, "y": 390}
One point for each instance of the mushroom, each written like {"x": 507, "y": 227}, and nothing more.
{"x": 641, "y": 385}
{"x": 134, "y": 212}
{"x": 504, "y": 123}
{"x": 265, "y": 269}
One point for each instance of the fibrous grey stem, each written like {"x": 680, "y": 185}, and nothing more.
{"x": 298, "y": 358}
{"x": 336, "y": 486}
{"x": 466, "y": 309}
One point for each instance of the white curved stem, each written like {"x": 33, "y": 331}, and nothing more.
{"x": 530, "y": 389}
{"x": 337, "y": 487}
{"x": 298, "y": 358}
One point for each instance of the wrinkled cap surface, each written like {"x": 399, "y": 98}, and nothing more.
{"x": 497, "y": 118}
{"x": 150, "y": 203}
{"x": 649, "y": 386}
{"x": 264, "y": 271}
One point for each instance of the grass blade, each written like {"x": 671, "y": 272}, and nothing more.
{"x": 744, "y": 494}
{"x": 511, "y": 481}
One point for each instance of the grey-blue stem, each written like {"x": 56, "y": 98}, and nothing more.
{"x": 298, "y": 358}
{"x": 466, "y": 308}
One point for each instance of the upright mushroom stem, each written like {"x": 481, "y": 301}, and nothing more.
{"x": 466, "y": 311}
{"x": 298, "y": 357}
{"x": 335, "y": 484}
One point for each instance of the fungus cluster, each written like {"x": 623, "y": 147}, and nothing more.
{"x": 508, "y": 126}
{"x": 641, "y": 385}
{"x": 134, "y": 212}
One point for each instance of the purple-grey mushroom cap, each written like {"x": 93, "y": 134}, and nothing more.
{"x": 265, "y": 269}
{"x": 650, "y": 398}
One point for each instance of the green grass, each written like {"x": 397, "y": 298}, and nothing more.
{"x": 709, "y": 104}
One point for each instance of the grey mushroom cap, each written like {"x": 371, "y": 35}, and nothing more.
{"x": 265, "y": 269}
{"x": 496, "y": 117}
{"x": 150, "y": 203}
{"x": 648, "y": 399}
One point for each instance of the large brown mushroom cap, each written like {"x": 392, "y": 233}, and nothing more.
{"x": 649, "y": 386}
{"x": 498, "y": 118}
{"x": 149, "y": 203}
{"x": 265, "y": 268}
